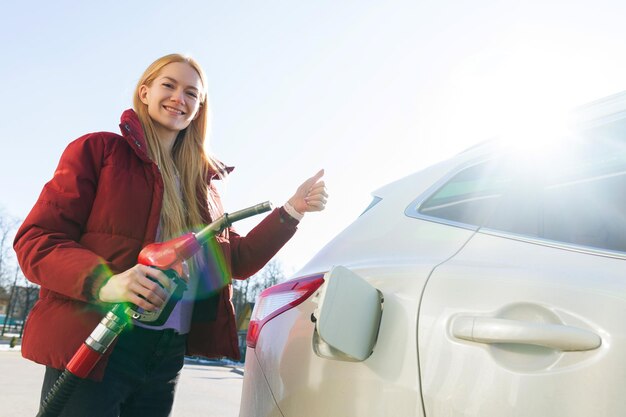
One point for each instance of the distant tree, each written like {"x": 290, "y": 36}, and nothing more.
{"x": 248, "y": 290}
{"x": 7, "y": 256}
{"x": 270, "y": 275}
{"x": 16, "y": 294}
{"x": 240, "y": 294}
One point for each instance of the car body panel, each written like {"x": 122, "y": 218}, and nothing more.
{"x": 495, "y": 276}
{"x": 258, "y": 399}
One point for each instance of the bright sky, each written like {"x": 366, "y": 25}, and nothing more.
{"x": 369, "y": 90}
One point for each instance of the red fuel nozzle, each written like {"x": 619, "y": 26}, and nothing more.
{"x": 168, "y": 255}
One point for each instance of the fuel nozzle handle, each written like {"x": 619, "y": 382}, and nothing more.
{"x": 167, "y": 255}
{"x": 170, "y": 256}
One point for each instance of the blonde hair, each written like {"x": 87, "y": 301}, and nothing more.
{"x": 189, "y": 157}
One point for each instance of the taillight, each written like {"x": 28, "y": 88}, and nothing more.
{"x": 278, "y": 299}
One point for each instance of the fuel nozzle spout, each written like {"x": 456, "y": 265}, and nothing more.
{"x": 227, "y": 220}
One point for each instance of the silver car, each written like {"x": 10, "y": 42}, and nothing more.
{"x": 491, "y": 284}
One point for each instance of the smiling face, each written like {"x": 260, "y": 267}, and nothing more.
{"x": 173, "y": 99}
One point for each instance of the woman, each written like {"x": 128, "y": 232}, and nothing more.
{"x": 110, "y": 196}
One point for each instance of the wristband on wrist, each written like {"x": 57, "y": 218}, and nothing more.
{"x": 293, "y": 212}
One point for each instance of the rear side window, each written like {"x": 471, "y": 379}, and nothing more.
{"x": 469, "y": 197}
{"x": 576, "y": 197}
{"x": 375, "y": 201}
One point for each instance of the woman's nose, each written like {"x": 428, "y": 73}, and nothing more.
{"x": 178, "y": 96}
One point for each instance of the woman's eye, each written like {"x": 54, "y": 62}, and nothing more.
{"x": 192, "y": 94}
{"x": 168, "y": 85}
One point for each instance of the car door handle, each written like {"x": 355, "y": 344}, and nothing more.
{"x": 495, "y": 330}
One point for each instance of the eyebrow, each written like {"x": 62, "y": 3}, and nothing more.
{"x": 176, "y": 81}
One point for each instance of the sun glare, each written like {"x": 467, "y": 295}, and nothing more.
{"x": 537, "y": 134}
{"x": 523, "y": 97}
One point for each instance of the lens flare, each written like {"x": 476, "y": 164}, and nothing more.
{"x": 213, "y": 271}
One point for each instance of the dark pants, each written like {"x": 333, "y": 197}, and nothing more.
{"x": 140, "y": 378}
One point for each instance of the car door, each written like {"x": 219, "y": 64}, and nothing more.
{"x": 527, "y": 319}
{"x": 546, "y": 332}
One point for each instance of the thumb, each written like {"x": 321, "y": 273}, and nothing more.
{"x": 307, "y": 184}
{"x": 317, "y": 176}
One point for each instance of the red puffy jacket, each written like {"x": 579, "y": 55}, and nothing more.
{"x": 92, "y": 219}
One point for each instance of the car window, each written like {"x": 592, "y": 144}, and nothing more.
{"x": 577, "y": 196}
{"x": 375, "y": 201}
{"x": 470, "y": 196}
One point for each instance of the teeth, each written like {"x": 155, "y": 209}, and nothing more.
{"x": 173, "y": 110}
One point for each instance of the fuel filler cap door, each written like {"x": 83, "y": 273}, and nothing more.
{"x": 347, "y": 318}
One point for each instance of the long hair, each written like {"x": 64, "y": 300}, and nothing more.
{"x": 190, "y": 158}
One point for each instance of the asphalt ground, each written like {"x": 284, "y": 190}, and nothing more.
{"x": 205, "y": 388}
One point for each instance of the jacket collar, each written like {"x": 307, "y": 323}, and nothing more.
{"x": 132, "y": 131}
